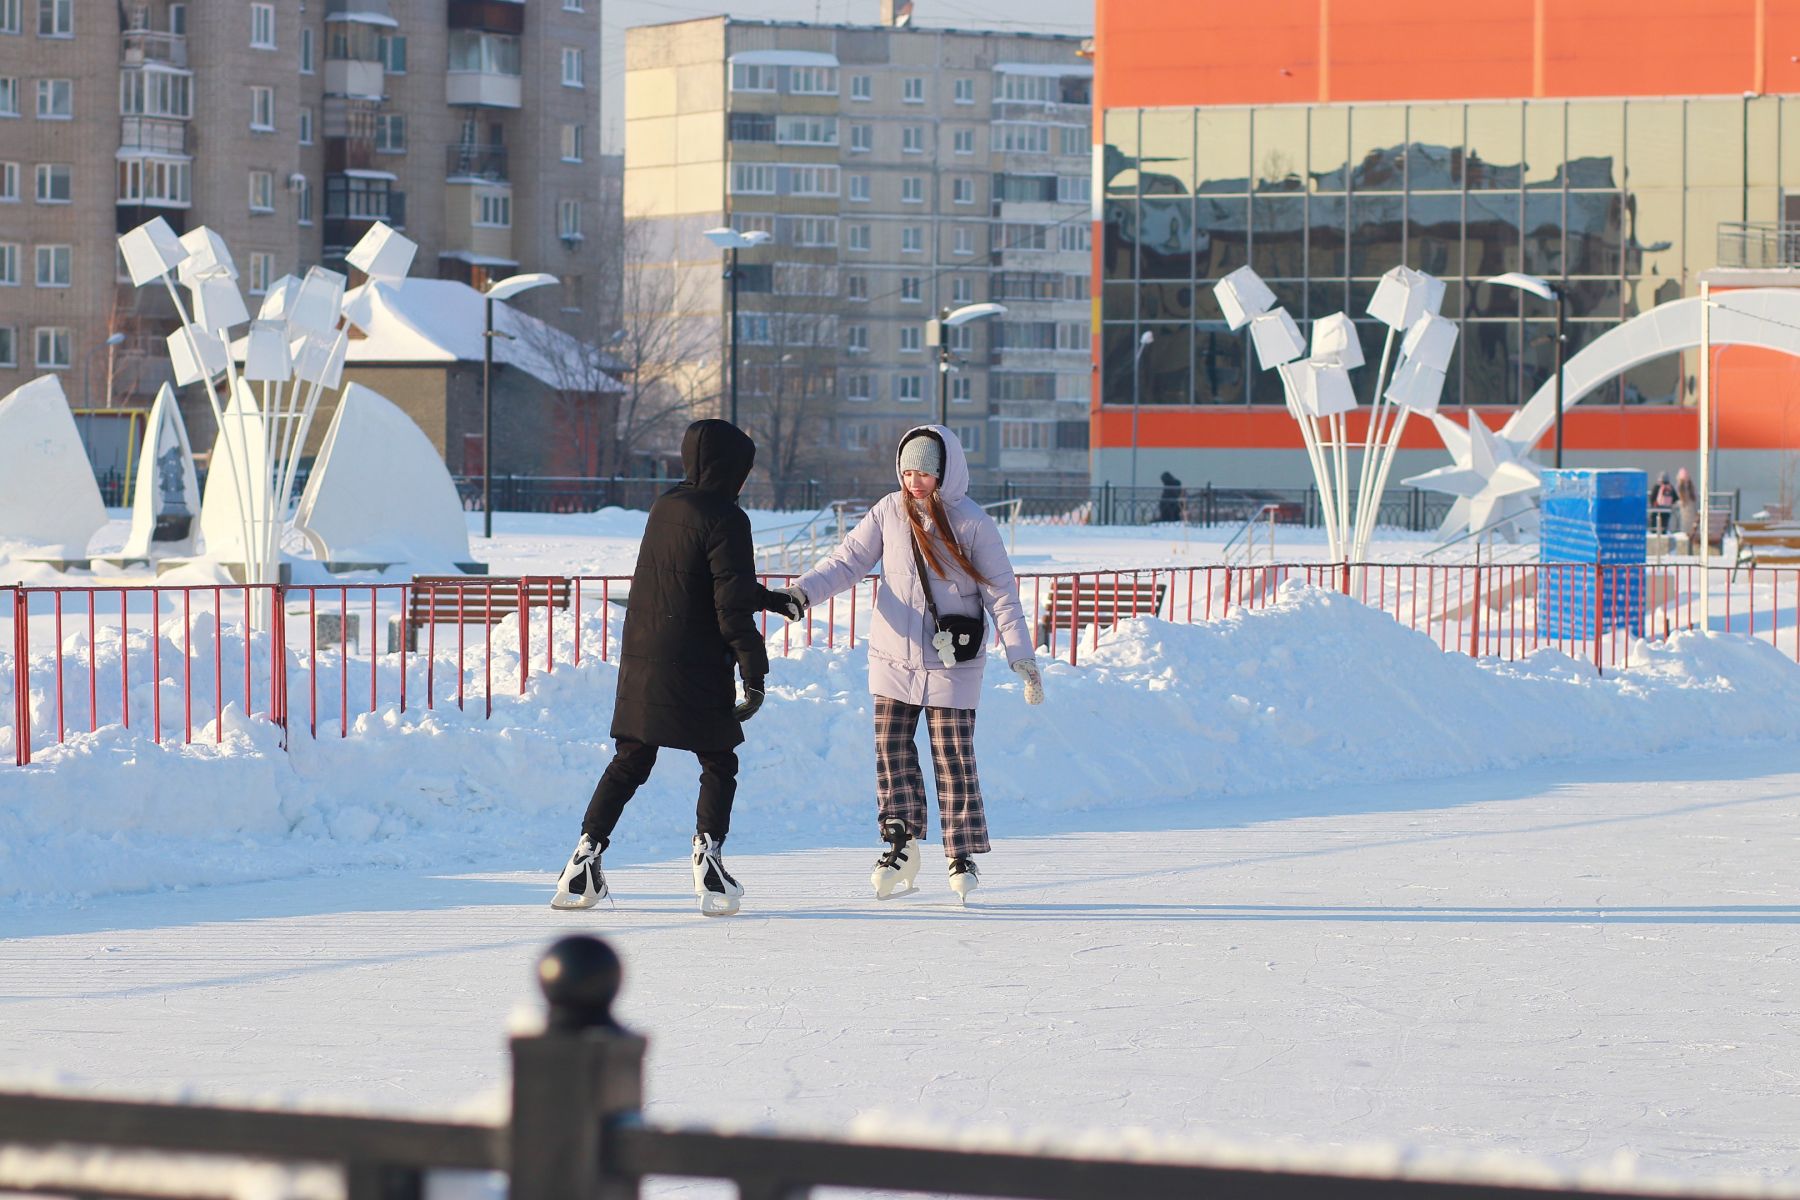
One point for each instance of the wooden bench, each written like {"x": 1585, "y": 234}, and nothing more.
{"x": 1077, "y": 604}
{"x": 465, "y": 599}
{"x": 1763, "y": 542}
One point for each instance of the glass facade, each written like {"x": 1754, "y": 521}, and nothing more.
{"x": 1619, "y": 202}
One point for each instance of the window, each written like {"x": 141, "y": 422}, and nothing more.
{"x": 752, "y": 77}
{"x": 9, "y": 96}
{"x": 573, "y": 68}
{"x": 912, "y": 139}
{"x": 912, "y": 89}
{"x": 859, "y": 237}
{"x": 861, "y": 88}
{"x": 910, "y": 339}
{"x": 262, "y": 270}
{"x": 963, "y": 240}
{"x": 573, "y": 6}
{"x": 856, "y": 387}
{"x": 574, "y": 143}
{"x": 390, "y": 133}
{"x": 9, "y": 16}
{"x": 755, "y": 328}
{"x": 812, "y": 231}
{"x": 1076, "y": 287}
{"x": 755, "y": 279}
{"x": 1017, "y": 138}
{"x": 968, "y": 435}
{"x": 568, "y": 220}
{"x": 262, "y": 191}
{"x": 155, "y": 94}
{"x": 9, "y": 264}
{"x": 493, "y": 210}
{"x": 155, "y": 181}
{"x": 53, "y": 186}
{"x": 862, "y": 138}
{"x": 909, "y": 289}
{"x": 806, "y": 131}
{"x": 965, "y": 91}
{"x": 53, "y": 347}
{"x": 752, "y": 127}
{"x": 391, "y": 49}
{"x": 962, "y": 290}
{"x": 912, "y": 189}
{"x": 9, "y": 337}
{"x": 262, "y": 108}
{"x": 912, "y": 240}
{"x": 963, "y": 190}
{"x": 859, "y": 188}
{"x": 9, "y": 182}
{"x": 1029, "y": 89}
{"x": 306, "y": 125}
{"x": 856, "y": 339}
{"x": 964, "y": 141}
{"x": 481, "y": 53}
{"x": 1074, "y": 140}
{"x": 856, "y": 287}
{"x": 753, "y": 179}
{"x": 1018, "y": 236}
{"x": 262, "y": 26}
{"x": 303, "y": 202}
{"x": 962, "y": 391}
{"x": 56, "y": 18}
{"x": 306, "y": 50}
{"x": 1077, "y": 237}
{"x": 810, "y": 181}
{"x": 812, "y": 81}
{"x": 55, "y": 99}
{"x": 1074, "y": 189}
{"x": 909, "y": 388}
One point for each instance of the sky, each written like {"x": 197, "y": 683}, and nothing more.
{"x": 1044, "y": 16}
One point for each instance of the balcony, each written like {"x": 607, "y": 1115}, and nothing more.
{"x": 371, "y": 12}
{"x": 489, "y": 16}
{"x": 354, "y": 201}
{"x": 476, "y": 162}
{"x": 485, "y": 89}
{"x": 147, "y": 46}
{"x": 355, "y": 77}
{"x": 153, "y": 135}
{"x": 1759, "y": 244}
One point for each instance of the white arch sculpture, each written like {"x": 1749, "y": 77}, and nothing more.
{"x": 1493, "y": 476}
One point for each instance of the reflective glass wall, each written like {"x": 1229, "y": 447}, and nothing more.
{"x": 1620, "y": 202}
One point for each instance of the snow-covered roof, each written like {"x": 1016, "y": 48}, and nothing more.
{"x": 784, "y": 58}
{"x": 441, "y": 320}
{"x": 1085, "y": 70}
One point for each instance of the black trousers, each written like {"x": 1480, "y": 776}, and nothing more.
{"x": 630, "y": 768}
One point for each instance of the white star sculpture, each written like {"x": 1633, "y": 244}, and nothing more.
{"x": 1492, "y": 477}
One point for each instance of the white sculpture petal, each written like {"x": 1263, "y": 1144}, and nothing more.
{"x": 383, "y": 254}
{"x": 1277, "y": 338}
{"x": 266, "y": 358}
{"x": 1243, "y": 295}
{"x": 316, "y": 307}
{"x": 1430, "y": 340}
{"x": 1417, "y": 386}
{"x": 48, "y": 496}
{"x": 182, "y": 357}
{"x": 1492, "y": 478}
{"x": 321, "y": 361}
{"x": 1401, "y": 298}
{"x": 1328, "y": 391}
{"x": 220, "y": 527}
{"x": 218, "y": 305}
{"x": 379, "y": 491}
{"x": 1334, "y": 338}
{"x": 208, "y": 256}
{"x": 151, "y": 251}
{"x": 165, "y": 503}
{"x": 279, "y": 302}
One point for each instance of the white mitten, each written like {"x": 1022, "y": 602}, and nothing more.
{"x": 1027, "y": 670}
{"x": 790, "y": 602}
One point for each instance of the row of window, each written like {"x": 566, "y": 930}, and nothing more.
{"x": 914, "y": 89}
{"x": 55, "y": 344}
{"x": 790, "y": 130}
{"x": 54, "y": 265}
{"x": 52, "y": 183}
{"x": 778, "y": 179}
{"x": 55, "y": 18}
{"x": 811, "y": 279}
{"x": 55, "y": 98}
{"x": 1073, "y": 236}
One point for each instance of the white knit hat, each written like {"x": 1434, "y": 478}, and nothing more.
{"x": 921, "y": 452}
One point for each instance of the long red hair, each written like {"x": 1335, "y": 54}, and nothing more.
{"x": 944, "y": 545}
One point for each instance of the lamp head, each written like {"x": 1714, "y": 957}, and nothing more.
{"x": 512, "y": 285}
{"x": 116, "y": 339}
{"x": 1145, "y": 338}
{"x": 1541, "y": 288}
{"x": 973, "y": 312}
{"x": 727, "y": 238}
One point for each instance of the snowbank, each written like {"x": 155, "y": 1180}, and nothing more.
{"x": 1314, "y": 691}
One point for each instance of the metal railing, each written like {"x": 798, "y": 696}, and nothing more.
{"x": 179, "y": 662}
{"x": 1759, "y": 244}
{"x": 576, "y": 1129}
{"x": 466, "y": 160}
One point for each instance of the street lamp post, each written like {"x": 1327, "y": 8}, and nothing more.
{"x": 1544, "y": 290}
{"x": 1137, "y": 359}
{"x": 731, "y": 241}
{"x": 87, "y": 366}
{"x": 934, "y": 336}
{"x": 505, "y": 289}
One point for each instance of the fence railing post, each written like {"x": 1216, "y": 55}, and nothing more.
{"x": 1599, "y": 613}
{"x": 574, "y": 1082}
{"x": 21, "y": 678}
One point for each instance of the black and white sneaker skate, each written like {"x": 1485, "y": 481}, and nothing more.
{"x": 899, "y": 863}
{"x": 964, "y": 877}
{"x": 719, "y": 893}
{"x": 582, "y": 883}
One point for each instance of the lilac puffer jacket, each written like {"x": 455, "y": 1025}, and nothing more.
{"x": 902, "y": 663}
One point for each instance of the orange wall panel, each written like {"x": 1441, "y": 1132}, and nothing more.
{"x": 1420, "y": 49}
{"x": 1757, "y": 396}
{"x": 1649, "y": 47}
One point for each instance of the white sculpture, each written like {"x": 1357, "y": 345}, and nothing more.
{"x": 236, "y": 514}
{"x": 1319, "y": 392}
{"x": 165, "y": 505}
{"x": 379, "y": 491}
{"x": 48, "y": 497}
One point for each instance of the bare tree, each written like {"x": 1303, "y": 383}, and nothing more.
{"x": 789, "y": 357}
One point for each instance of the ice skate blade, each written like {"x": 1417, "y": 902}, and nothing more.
{"x": 572, "y": 901}
{"x": 911, "y": 888}
{"x": 714, "y": 905}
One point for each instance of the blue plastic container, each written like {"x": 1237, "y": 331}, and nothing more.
{"x": 1592, "y": 517}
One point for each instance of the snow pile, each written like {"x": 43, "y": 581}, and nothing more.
{"x": 1313, "y": 691}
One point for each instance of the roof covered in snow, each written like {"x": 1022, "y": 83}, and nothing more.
{"x": 441, "y": 320}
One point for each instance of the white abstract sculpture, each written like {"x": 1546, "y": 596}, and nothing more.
{"x": 294, "y": 350}
{"x": 1319, "y": 392}
{"x": 379, "y": 491}
{"x": 48, "y": 497}
{"x": 165, "y": 505}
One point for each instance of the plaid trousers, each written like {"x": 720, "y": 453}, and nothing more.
{"x": 900, "y": 784}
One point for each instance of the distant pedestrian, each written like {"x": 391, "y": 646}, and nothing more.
{"x": 1687, "y": 501}
{"x": 1662, "y": 504}
{"x": 689, "y": 619}
{"x": 942, "y": 566}
{"x": 1170, "y": 507}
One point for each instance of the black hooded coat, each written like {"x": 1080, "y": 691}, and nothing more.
{"x": 694, "y": 599}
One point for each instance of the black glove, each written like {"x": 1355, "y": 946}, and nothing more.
{"x": 753, "y": 698}
{"x": 790, "y": 602}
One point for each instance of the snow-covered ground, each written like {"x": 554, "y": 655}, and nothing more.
{"x": 1293, "y": 877}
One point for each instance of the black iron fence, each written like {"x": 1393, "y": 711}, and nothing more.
{"x": 577, "y": 1133}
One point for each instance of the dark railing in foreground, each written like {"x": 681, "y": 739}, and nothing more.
{"x": 577, "y": 1133}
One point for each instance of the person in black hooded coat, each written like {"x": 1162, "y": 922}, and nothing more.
{"x": 689, "y": 620}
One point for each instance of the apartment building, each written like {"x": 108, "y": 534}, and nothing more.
{"x": 290, "y": 127}
{"x": 900, "y": 172}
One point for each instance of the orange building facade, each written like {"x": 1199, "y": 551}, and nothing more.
{"x": 1620, "y": 150}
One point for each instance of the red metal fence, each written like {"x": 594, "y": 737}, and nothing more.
{"x": 319, "y": 658}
